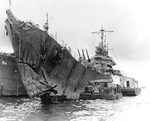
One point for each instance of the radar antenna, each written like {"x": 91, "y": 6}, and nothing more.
{"x": 102, "y": 31}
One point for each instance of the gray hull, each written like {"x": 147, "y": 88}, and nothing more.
{"x": 43, "y": 63}
{"x": 10, "y": 80}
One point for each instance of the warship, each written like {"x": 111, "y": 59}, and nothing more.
{"x": 10, "y": 80}
{"x": 42, "y": 66}
{"x": 101, "y": 62}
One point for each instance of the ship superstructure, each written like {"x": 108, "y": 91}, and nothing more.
{"x": 101, "y": 61}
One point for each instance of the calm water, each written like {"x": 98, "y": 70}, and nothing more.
{"x": 126, "y": 109}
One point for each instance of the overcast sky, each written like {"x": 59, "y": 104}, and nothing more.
{"x": 74, "y": 20}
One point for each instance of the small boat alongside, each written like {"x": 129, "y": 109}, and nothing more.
{"x": 129, "y": 86}
{"x": 131, "y": 91}
{"x": 51, "y": 96}
{"x": 101, "y": 89}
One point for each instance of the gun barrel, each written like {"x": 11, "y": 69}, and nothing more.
{"x": 79, "y": 53}
{"x": 88, "y": 55}
{"x": 83, "y": 54}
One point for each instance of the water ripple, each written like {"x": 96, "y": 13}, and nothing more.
{"x": 125, "y": 109}
{"x": 18, "y": 110}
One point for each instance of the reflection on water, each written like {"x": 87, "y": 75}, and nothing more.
{"x": 125, "y": 109}
{"x": 16, "y": 109}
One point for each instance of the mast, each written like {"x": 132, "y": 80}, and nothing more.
{"x": 101, "y": 32}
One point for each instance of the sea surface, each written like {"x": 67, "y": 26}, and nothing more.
{"x": 126, "y": 109}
